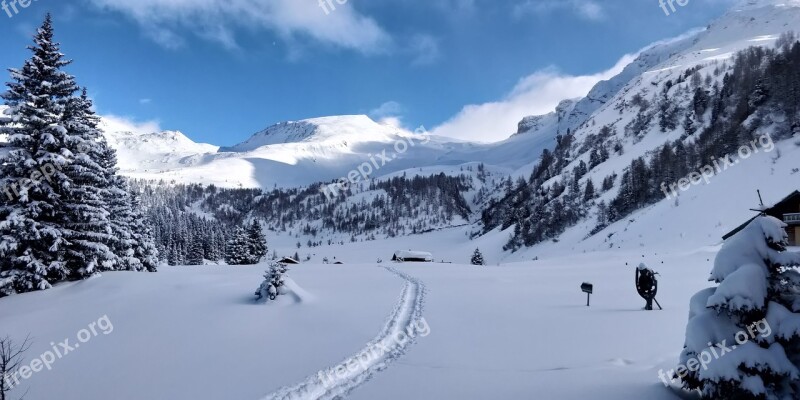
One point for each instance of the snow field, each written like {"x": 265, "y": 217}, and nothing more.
{"x": 524, "y": 331}
{"x": 505, "y": 332}
{"x": 197, "y": 332}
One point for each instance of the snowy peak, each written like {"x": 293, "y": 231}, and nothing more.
{"x": 159, "y": 142}
{"x": 147, "y": 138}
{"x": 753, "y": 20}
{"x": 137, "y": 151}
{"x": 538, "y": 123}
{"x": 318, "y": 130}
{"x": 535, "y": 123}
{"x": 572, "y": 114}
{"x": 752, "y": 4}
{"x": 750, "y": 23}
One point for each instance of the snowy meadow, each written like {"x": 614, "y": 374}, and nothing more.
{"x": 545, "y": 340}
{"x": 606, "y": 249}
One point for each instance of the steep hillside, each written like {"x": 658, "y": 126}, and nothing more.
{"x": 399, "y": 205}
{"x": 688, "y": 112}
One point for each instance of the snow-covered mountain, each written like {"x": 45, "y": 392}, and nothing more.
{"x": 615, "y": 113}
{"x": 344, "y": 130}
{"x": 323, "y": 149}
{"x": 634, "y": 133}
{"x": 156, "y": 150}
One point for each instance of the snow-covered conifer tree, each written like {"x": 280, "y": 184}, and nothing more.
{"x": 85, "y": 212}
{"x": 196, "y": 253}
{"x": 237, "y": 247}
{"x": 477, "y": 258}
{"x": 145, "y": 254}
{"x": 56, "y": 220}
{"x": 273, "y": 281}
{"x": 33, "y": 240}
{"x": 257, "y": 243}
{"x": 132, "y": 239}
{"x": 743, "y": 337}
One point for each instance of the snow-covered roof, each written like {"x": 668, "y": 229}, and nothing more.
{"x": 410, "y": 254}
{"x": 766, "y": 209}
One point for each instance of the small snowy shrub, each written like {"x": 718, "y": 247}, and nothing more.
{"x": 273, "y": 281}
{"x": 750, "y": 323}
{"x": 477, "y": 258}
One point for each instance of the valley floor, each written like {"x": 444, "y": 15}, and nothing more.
{"x": 502, "y": 332}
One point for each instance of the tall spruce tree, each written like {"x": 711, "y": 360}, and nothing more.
{"x": 145, "y": 254}
{"x": 132, "y": 238}
{"x": 33, "y": 239}
{"x": 237, "y": 247}
{"x": 85, "y": 212}
{"x": 196, "y": 253}
{"x": 257, "y": 243}
{"x": 57, "y": 220}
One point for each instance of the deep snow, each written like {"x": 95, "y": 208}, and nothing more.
{"x": 501, "y": 332}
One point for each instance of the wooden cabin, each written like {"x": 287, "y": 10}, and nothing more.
{"x": 412, "y": 256}
{"x": 786, "y": 210}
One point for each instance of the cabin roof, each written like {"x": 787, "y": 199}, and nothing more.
{"x": 793, "y": 198}
{"x": 412, "y": 254}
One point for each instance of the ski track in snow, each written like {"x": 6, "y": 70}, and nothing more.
{"x": 327, "y": 384}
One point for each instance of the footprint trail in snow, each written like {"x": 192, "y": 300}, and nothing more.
{"x": 404, "y": 326}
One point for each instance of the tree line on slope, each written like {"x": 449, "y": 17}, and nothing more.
{"x": 762, "y": 84}
{"x": 206, "y": 218}
{"x": 761, "y": 89}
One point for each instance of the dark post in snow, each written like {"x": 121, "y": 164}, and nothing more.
{"x": 587, "y": 288}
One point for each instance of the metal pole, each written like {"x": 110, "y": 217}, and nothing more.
{"x": 588, "y": 296}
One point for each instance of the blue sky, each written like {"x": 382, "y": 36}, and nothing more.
{"x": 220, "y": 70}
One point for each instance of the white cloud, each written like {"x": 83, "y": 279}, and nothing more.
{"x": 392, "y": 121}
{"x": 113, "y": 123}
{"x": 145, "y": 101}
{"x": 591, "y": 10}
{"x": 587, "y": 9}
{"x": 425, "y": 49}
{"x": 388, "y": 113}
{"x": 387, "y": 109}
{"x": 166, "y": 21}
{"x": 535, "y": 94}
